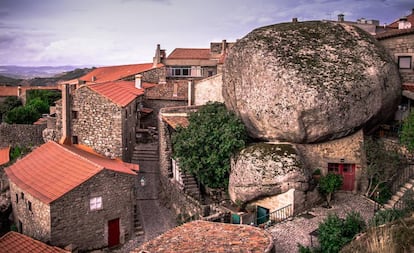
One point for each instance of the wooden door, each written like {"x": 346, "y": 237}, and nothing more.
{"x": 262, "y": 215}
{"x": 113, "y": 232}
{"x": 348, "y": 174}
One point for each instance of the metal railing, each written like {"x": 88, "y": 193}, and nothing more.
{"x": 402, "y": 177}
{"x": 276, "y": 216}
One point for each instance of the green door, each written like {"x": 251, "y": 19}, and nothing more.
{"x": 262, "y": 215}
{"x": 235, "y": 218}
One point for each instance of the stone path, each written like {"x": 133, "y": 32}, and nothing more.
{"x": 155, "y": 218}
{"x": 288, "y": 234}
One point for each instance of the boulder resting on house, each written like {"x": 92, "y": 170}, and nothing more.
{"x": 266, "y": 169}
{"x": 308, "y": 82}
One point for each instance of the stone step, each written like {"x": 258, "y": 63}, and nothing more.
{"x": 408, "y": 185}
{"x": 396, "y": 197}
{"x": 391, "y": 202}
{"x": 387, "y": 206}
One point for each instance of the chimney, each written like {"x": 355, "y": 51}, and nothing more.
{"x": 294, "y": 20}
{"x": 19, "y": 91}
{"x": 403, "y": 23}
{"x": 93, "y": 79}
{"x": 66, "y": 111}
{"x": 157, "y": 57}
{"x": 190, "y": 92}
{"x": 341, "y": 17}
{"x": 223, "y": 46}
{"x": 138, "y": 81}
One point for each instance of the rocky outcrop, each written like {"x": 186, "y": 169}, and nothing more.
{"x": 309, "y": 81}
{"x": 266, "y": 169}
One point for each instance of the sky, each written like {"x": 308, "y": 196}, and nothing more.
{"x": 117, "y": 32}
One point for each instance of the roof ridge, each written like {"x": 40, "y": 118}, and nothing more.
{"x": 80, "y": 156}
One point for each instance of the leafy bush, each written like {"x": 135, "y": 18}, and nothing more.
{"x": 407, "y": 132}
{"x": 385, "y": 216}
{"x": 329, "y": 184}
{"x": 204, "y": 148}
{"x": 334, "y": 232}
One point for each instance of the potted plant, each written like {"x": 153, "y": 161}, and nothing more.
{"x": 316, "y": 174}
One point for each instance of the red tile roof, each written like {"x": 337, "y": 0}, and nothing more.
{"x": 204, "y": 236}
{"x": 394, "y": 33}
{"x": 176, "y": 121}
{"x": 14, "y": 242}
{"x": 52, "y": 170}
{"x": 120, "y": 92}
{"x": 4, "y": 155}
{"x": 408, "y": 86}
{"x": 410, "y": 18}
{"x": 112, "y": 73}
{"x": 190, "y": 53}
{"x": 8, "y": 91}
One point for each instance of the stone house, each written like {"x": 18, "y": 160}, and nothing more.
{"x": 103, "y": 116}
{"x": 399, "y": 40}
{"x": 64, "y": 195}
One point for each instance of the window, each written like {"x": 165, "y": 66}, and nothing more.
{"x": 74, "y": 114}
{"x": 17, "y": 198}
{"x": 75, "y": 139}
{"x": 333, "y": 167}
{"x": 29, "y": 205}
{"x": 404, "y": 62}
{"x": 95, "y": 203}
{"x": 22, "y": 195}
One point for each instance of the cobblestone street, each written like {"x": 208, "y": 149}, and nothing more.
{"x": 289, "y": 234}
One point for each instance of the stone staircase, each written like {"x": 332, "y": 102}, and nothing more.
{"x": 190, "y": 185}
{"x": 145, "y": 152}
{"x": 399, "y": 194}
{"x": 138, "y": 229}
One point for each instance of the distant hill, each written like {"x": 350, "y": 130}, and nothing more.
{"x": 23, "y": 72}
{"x": 4, "y": 80}
{"x": 45, "y": 81}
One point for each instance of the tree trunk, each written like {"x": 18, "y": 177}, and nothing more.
{"x": 328, "y": 199}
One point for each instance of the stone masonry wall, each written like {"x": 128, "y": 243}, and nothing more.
{"x": 129, "y": 122}
{"x": 150, "y": 76}
{"x": 35, "y": 223}
{"x": 209, "y": 89}
{"x": 402, "y": 46}
{"x": 72, "y": 221}
{"x": 22, "y": 135}
{"x": 156, "y": 105}
{"x": 348, "y": 148}
{"x": 99, "y": 122}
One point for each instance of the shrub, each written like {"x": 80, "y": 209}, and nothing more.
{"x": 385, "y": 216}
{"x": 330, "y": 234}
{"x": 329, "y": 184}
{"x": 353, "y": 225}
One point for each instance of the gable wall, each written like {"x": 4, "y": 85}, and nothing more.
{"x": 36, "y": 223}
{"x": 72, "y": 221}
{"x": 402, "y": 46}
{"x": 99, "y": 122}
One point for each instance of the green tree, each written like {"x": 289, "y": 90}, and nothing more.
{"x": 204, "y": 147}
{"x": 407, "y": 132}
{"x": 328, "y": 185}
{"x": 49, "y": 96}
{"x": 8, "y": 104}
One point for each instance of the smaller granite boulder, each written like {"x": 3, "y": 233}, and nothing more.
{"x": 266, "y": 169}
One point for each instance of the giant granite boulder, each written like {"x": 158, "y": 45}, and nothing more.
{"x": 309, "y": 81}
{"x": 266, "y": 169}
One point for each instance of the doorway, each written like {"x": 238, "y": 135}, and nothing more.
{"x": 113, "y": 232}
{"x": 347, "y": 171}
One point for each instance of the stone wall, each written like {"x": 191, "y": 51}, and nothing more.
{"x": 35, "y": 223}
{"x": 345, "y": 150}
{"x": 151, "y": 76}
{"x": 130, "y": 121}
{"x": 401, "y": 46}
{"x": 72, "y": 221}
{"x": 22, "y": 135}
{"x": 156, "y": 105}
{"x": 209, "y": 89}
{"x": 98, "y": 123}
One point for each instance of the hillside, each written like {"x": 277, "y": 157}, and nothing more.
{"x": 4, "y": 80}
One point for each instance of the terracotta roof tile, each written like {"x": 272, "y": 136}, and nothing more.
{"x": 204, "y": 236}
{"x": 176, "y": 121}
{"x": 52, "y": 170}
{"x": 14, "y": 242}
{"x": 112, "y": 73}
{"x": 408, "y": 86}
{"x": 190, "y": 53}
{"x": 410, "y": 18}
{"x": 4, "y": 155}
{"x": 8, "y": 91}
{"x": 120, "y": 92}
{"x": 394, "y": 33}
